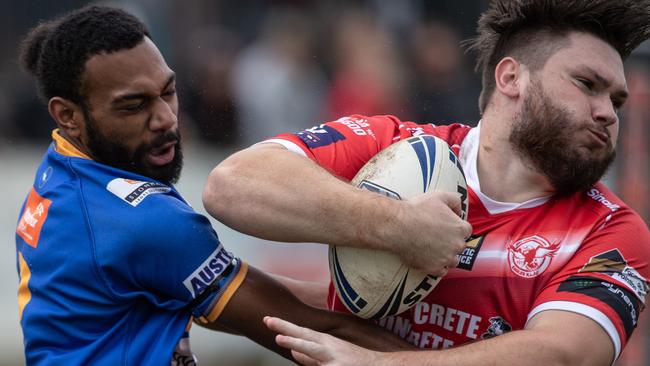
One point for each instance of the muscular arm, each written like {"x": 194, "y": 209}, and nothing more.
{"x": 550, "y": 338}
{"x": 270, "y": 192}
{"x": 273, "y": 193}
{"x": 261, "y": 295}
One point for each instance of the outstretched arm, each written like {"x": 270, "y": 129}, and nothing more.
{"x": 550, "y": 338}
{"x": 259, "y": 295}
{"x": 312, "y": 293}
{"x": 272, "y": 193}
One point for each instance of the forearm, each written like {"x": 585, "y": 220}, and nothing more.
{"x": 260, "y": 295}
{"x": 275, "y": 194}
{"x": 344, "y": 326}
{"x": 312, "y": 293}
{"x": 520, "y": 348}
{"x": 366, "y": 334}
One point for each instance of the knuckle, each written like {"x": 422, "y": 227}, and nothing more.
{"x": 451, "y": 259}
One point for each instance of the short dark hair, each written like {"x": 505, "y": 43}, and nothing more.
{"x": 56, "y": 51}
{"x": 532, "y": 30}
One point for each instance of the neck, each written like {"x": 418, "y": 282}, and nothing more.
{"x": 505, "y": 175}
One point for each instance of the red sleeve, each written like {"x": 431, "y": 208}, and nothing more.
{"x": 345, "y": 145}
{"x": 606, "y": 280}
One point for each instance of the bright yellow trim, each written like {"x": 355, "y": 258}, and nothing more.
{"x": 64, "y": 147}
{"x": 24, "y": 295}
{"x": 232, "y": 288}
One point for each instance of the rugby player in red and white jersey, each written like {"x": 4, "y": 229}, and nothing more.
{"x": 556, "y": 269}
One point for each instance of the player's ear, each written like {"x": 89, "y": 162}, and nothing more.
{"x": 508, "y": 76}
{"x": 67, "y": 115}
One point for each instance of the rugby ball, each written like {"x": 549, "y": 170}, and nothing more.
{"x": 374, "y": 284}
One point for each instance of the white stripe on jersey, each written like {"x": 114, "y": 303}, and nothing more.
{"x": 582, "y": 309}
{"x": 287, "y": 144}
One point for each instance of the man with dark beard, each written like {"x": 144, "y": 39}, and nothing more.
{"x": 114, "y": 265}
{"x": 543, "y": 132}
{"x": 556, "y": 270}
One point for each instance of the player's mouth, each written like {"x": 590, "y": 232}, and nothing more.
{"x": 599, "y": 138}
{"x": 162, "y": 155}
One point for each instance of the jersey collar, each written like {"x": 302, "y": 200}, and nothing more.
{"x": 65, "y": 148}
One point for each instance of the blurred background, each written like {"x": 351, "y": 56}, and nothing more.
{"x": 250, "y": 69}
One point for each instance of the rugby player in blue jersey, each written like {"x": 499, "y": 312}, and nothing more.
{"x": 114, "y": 265}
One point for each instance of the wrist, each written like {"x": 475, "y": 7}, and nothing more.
{"x": 377, "y": 227}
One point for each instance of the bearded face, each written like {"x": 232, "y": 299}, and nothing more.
{"x": 544, "y": 134}
{"x": 115, "y": 154}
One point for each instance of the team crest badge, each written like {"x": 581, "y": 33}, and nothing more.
{"x": 498, "y": 326}
{"x": 529, "y": 257}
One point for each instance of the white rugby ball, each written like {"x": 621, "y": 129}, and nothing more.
{"x": 374, "y": 284}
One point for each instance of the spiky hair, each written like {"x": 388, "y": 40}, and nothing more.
{"x": 532, "y": 30}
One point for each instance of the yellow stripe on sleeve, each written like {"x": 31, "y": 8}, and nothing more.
{"x": 24, "y": 295}
{"x": 227, "y": 294}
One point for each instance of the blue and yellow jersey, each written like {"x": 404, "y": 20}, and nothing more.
{"x": 113, "y": 266}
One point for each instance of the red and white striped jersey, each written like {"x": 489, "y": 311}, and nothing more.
{"x": 586, "y": 253}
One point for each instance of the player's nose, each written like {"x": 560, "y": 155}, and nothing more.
{"x": 164, "y": 115}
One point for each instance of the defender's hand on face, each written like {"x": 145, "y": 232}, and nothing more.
{"x": 309, "y": 347}
{"x": 432, "y": 234}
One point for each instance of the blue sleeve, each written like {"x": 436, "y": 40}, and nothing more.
{"x": 166, "y": 252}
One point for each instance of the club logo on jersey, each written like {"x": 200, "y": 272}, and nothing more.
{"x": 498, "y": 326}
{"x": 134, "y": 192}
{"x": 319, "y": 136}
{"x": 469, "y": 254}
{"x": 31, "y": 222}
{"x": 529, "y": 257}
{"x": 613, "y": 264}
{"x": 208, "y": 271}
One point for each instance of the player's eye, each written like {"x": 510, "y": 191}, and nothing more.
{"x": 134, "y": 107}
{"x": 588, "y": 84}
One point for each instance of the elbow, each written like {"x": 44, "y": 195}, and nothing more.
{"x": 215, "y": 192}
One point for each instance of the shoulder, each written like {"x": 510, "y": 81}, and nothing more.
{"x": 140, "y": 211}
{"x": 601, "y": 216}
{"x": 610, "y": 223}
{"x": 606, "y": 205}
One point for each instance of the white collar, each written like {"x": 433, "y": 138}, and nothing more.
{"x": 468, "y": 159}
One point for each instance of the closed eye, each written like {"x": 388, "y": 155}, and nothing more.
{"x": 169, "y": 93}
{"x": 134, "y": 107}
{"x": 588, "y": 84}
